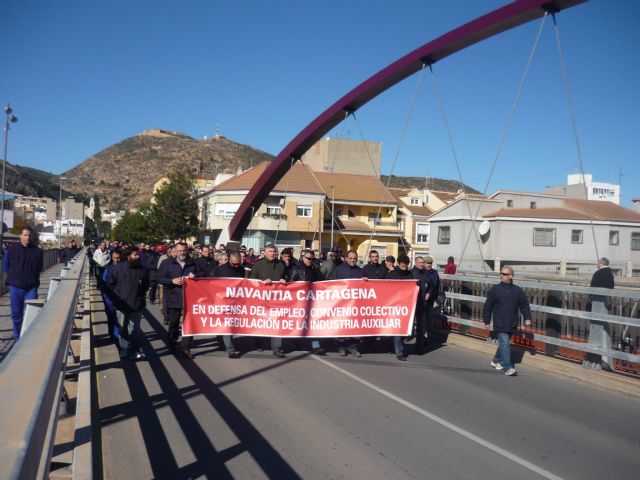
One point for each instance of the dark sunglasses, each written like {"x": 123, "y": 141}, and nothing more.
{"x": 504, "y": 274}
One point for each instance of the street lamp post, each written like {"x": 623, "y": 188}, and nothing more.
{"x": 60, "y": 217}
{"x": 9, "y": 118}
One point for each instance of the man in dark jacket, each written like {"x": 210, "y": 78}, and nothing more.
{"x": 172, "y": 273}
{"x": 333, "y": 260}
{"x": 270, "y": 269}
{"x": 504, "y": 301}
{"x": 374, "y": 270}
{"x": 152, "y": 265}
{"x": 205, "y": 264}
{"x": 599, "y": 332}
{"x": 108, "y": 296}
{"x": 307, "y": 271}
{"x": 129, "y": 281}
{"x": 348, "y": 269}
{"x": 401, "y": 272}
{"x": 229, "y": 266}
{"x": 22, "y": 264}
{"x": 67, "y": 254}
{"x": 428, "y": 281}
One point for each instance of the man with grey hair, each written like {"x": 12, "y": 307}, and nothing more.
{"x": 503, "y": 302}
{"x": 599, "y": 333}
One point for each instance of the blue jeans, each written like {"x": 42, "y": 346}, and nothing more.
{"x": 228, "y": 343}
{"x": 17, "y": 296}
{"x": 129, "y": 326}
{"x": 398, "y": 346}
{"x": 503, "y": 354}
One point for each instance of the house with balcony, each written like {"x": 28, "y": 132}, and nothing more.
{"x": 413, "y": 221}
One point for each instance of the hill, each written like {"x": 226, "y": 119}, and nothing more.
{"x": 431, "y": 183}
{"x": 123, "y": 174}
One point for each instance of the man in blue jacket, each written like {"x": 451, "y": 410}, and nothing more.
{"x": 23, "y": 264}
{"x": 503, "y": 301}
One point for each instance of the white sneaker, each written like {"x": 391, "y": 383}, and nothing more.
{"x": 511, "y": 372}
{"x": 495, "y": 365}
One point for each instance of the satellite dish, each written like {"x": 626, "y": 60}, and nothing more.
{"x": 484, "y": 228}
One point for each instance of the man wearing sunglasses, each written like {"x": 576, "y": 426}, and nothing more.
{"x": 229, "y": 267}
{"x": 504, "y": 301}
{"x": 307, "y": 271}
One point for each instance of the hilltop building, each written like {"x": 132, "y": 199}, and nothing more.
{"x": 579, "y": 186}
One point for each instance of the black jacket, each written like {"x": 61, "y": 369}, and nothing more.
{"x": 398, "y": 274}
{"x": 205, "y": 266}
{"x": 302, "y": 273}
{"x": 503, "y": 301}
{"x": 23, "y": 266}
{"x": 128, "y": 284}
{"x": 344, "y": 271}
{"x": 429, "y": 282}
{"x": 602, "y": 278}
{"x": 264, "y": 269}
{"x": 375, "y": 271}
{"x": 228, "y": 270}
{"x": 67, "y": 254}
{"x": 170, "y": 269}
{"x": 152, "y": 265}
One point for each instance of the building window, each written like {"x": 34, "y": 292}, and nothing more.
{"x": 533, "y": 205}
{"x": 614, "y": 237}
{"x": 303, "y": 210}
{"x": 374, "y": 218}
{"x": 444, "y": 234}
{"x": 274, "y": 210}
{"x": 635, "y": 240}
{"x": 415, "y": 201}
{"x": 544, "y": 237}
{"x": 226, "y": 210}
{"x": 422, "y": 233}
{"x": 509, "y": 203}
{"x": 576, "y": 236}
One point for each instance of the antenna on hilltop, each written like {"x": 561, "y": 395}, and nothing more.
{"x": 217, "y": 134}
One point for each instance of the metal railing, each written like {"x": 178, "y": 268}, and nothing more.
{"x": 563, "y": 316}
{"x": 31, "y": 382}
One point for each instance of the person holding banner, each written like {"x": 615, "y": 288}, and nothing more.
{"x": 374, "y": 270}
{"x": 307, "y": 271}
{"x": 229, "y": 269}
{"x": 172, "y": 272}
{"x": 270, "y": 269}
{"x": 401, "y": 272}
{"x": 345, "y": 271}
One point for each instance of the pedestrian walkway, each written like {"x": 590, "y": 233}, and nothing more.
{"x": 6, "y": 326}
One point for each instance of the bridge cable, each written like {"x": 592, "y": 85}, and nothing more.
{"x": 412, "y": 104}
{"x": 436, "y": 87}
{"x": 572, "y": 113}
{"x": 507, "y": 126}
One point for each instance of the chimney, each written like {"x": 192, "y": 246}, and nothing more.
{"x": 636, "y": 204}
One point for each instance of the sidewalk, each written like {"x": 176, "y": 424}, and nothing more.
{"x": 6, "y": 326}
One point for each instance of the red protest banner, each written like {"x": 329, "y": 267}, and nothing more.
{"x": 336, "y": 308}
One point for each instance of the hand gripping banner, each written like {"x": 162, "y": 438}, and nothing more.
{"x": 335, "y": 308}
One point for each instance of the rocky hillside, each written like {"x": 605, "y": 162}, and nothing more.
{"x": 431, "y": 183}
{"x": 123, "y": 174}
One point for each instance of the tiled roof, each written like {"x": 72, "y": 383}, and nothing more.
{"x": 446, "y": 197}
{"x": 573, "y": 209}
{"x": 351, "y": 225}
{"x": 298, "y": 179}
{"x": 354, "y": 188}
{"x": 414, "y": 209}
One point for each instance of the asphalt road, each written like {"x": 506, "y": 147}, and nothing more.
{"x": 442, "y": 415}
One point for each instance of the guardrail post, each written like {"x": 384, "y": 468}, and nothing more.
{"x": 64, "y": 271}
{"x": 563, "y": 267}
{"x": 31, "y": 311}
{"x": 496, "y": 265}
{"x": 628, "y": 269}
{"x": 599, "y": 336}
{"x": 54, "y": 283}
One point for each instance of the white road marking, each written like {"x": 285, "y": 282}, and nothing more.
{"x": 474, "y": 438}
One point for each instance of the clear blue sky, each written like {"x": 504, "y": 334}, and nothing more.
{"x": 84, "y": 75}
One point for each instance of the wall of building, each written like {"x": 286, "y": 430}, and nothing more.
{"x": 344, "y": 156}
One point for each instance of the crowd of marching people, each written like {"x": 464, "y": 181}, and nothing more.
{"x": 129, "y": 275}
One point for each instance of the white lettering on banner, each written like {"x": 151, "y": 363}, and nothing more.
{"x": 266, "y": 295}
{"x": 335, "y": 294}
{"x": 383, "y": 311}
{"x": 268, "y": 323}
{"x": 334, "y": 324}
{"x": 334, "y": 311}
{"x": 380, "y": 323}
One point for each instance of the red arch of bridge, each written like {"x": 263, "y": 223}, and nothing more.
{"x": 497, "y": 21}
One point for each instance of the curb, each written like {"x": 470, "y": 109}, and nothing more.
{"x": 607, "y": 380}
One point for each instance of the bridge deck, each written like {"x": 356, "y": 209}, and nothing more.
{"x": 442, "y": 415}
